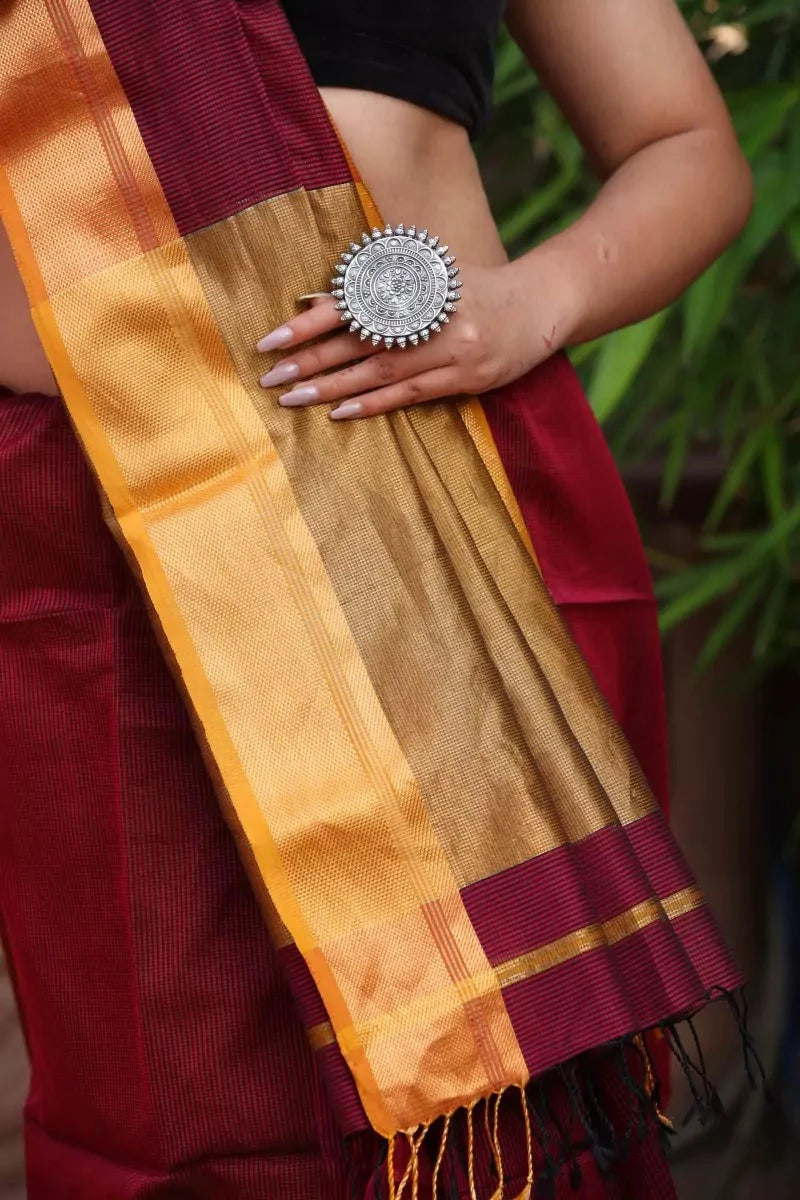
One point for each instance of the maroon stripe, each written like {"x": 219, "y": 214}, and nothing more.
{"x": 301, "y": 981}
{"x": 699, "y": 933}
{"x": 575, "y": 886}
{"x": 663, "y": 970}
{"x": 85, "y": 75}
{"x": 341, "y": 1088}
{"x": 658, "y": 852}
{"x": 220, "y": 141}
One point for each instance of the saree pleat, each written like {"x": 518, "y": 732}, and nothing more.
{"x": 422, "y": 774}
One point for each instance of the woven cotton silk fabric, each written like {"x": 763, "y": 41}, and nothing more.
{"x": 444, "y": 822}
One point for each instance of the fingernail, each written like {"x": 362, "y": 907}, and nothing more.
{"x": 350, "y": 408}
{"x": 276, "y": 339}
{"x": 280, "y": 374}
{"x": 298, "y": 396}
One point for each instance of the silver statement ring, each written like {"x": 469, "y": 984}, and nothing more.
{"x": 398, "y": 287}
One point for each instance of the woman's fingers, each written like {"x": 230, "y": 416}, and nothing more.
{"x": 432, "y": 385}
{"x": 379, "y": 371}
{"x": 321, "y": 318}
{"x": 332, "y": 352}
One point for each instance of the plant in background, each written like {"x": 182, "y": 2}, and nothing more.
{"x": 715, "y": 379}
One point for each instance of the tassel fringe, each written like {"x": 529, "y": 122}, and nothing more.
{"x": 550, "y": 1147}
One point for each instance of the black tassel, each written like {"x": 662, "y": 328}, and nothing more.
{"x": 575, "y": 1176}
{"x": 707, "y": 1105}
{"x": 380, "y": 1182}
{"x": 544, "y": 1187}
{"x": 582, "y": 1087}
{"x": 582, "y": 1100}
{"x": 752, "y": 1062}
{"x": 455, "y": 1156}
{"x": 634, "y": 1108}
{"x": 539, "y": 1113}
{"x": 605, "y": 1148}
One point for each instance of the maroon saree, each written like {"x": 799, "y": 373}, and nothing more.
{"x": 167, "y": 1056}
{"x": 170, "y": 1058}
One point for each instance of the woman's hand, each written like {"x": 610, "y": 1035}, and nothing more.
{"x": 501, "y": 331}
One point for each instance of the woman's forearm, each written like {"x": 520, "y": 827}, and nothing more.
{"x": 659, "y": 220}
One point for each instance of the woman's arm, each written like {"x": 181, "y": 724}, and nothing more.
{"x": 633, "y": 84}
{"x": 677, "y": 190}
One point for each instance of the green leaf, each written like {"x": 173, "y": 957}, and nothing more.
{"x": 793, "y": 235}
{"x": 772, "y": 471}
{"x": 759, "y": 114}
{"x": 676, "y": 455}
{"x": 770, "y": 617}
{"x": 732, "y": 620}
{"x": 580, "y": 354}
{"x": 540, "y": 204}
{"x": 714, "y": 581}
{"x": 727, "y": 541}
{"x": 768, "y": 10}
{"x": 703, "y": 584}
{"x": 709, "y": 300}
{"x": 735, "y": 477}
{"x": 510, "y": 63}
{"x": 620, "y": 358}
{"x": 630, "y": 418}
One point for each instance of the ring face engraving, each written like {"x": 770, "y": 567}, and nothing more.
{"x": 397, "y": 287}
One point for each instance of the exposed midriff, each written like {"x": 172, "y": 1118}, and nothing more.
{"x": 419, "y": 167}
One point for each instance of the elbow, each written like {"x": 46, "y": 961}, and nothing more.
{"x": 738, "y": 191}
{"x": 742, "y": 193}
{"x": 722, "y": 186}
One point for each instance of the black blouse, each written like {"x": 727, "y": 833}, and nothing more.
{"x": 436, "y": 53}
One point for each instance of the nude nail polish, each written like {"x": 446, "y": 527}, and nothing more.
{"x": 350, "y": 408}
{"x": 283, "y": 373}
{"x": 276, "y": 339}
{"x": 299, "y": 396}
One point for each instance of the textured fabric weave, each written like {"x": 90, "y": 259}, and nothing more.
{"x": 372, "y": 586}
{"x": 167, "y": 1057}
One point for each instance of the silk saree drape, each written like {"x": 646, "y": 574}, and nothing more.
{"x": 460, "y": 858}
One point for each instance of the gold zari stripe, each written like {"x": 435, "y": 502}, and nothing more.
{"x": 592, "y": 937}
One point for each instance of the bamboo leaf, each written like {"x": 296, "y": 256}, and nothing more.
{"x": 759, "y": 114}
{"x": 676, "y": 456}
{"x": 727, "y": 541}
{"x": 715, "y": 580}
{"x": 709, "y": 300}
{"x": 735, "y": 477}
{"x": 732, "y": 620}
{"x": 579, "y": 354}
{"x": 768, "y": 625}
{"x": 705, "y": 584}
{"x": 619, "y": 361}
{"x": 772, "y": 471}
{"x": 510, "y": 64}
{"x": 793, "y": 235}
{"x": 539, "y": 204}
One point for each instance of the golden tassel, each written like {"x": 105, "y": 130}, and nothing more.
{"x": 390, "y": 1168}
{"x": 527, "y": 1191}
{"x": 401, "y": 1187}
{"x": 496, "y": 1150}
{"x": 440, "y": 1156}
{"x": 415, "y": 1167}
{"x": 471, "y": 1151}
